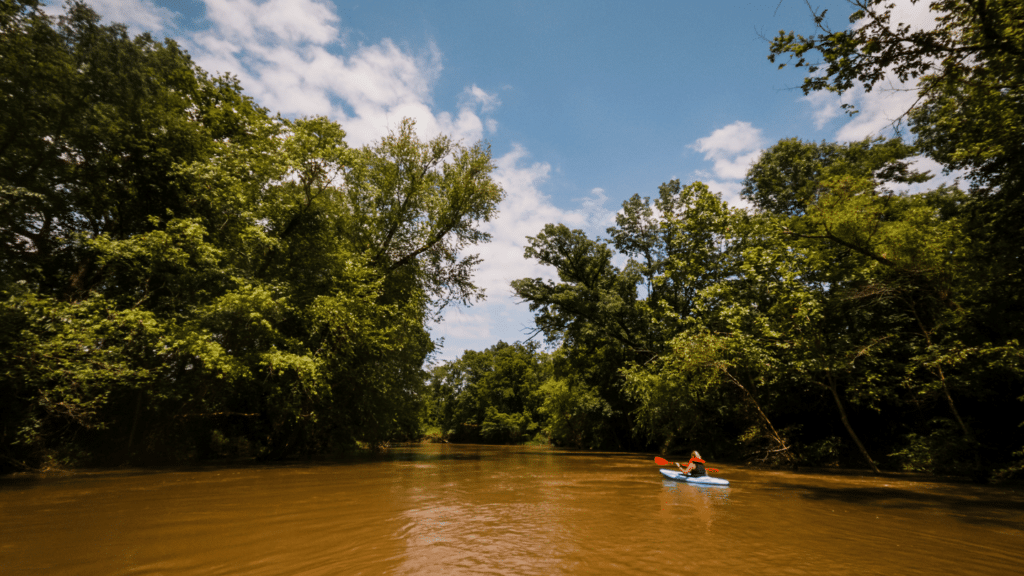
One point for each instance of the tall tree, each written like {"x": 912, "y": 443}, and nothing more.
{"x": 183, "y": 270}
{"x": 969, "y": 114}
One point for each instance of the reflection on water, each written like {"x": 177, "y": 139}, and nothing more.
{"x": 440, "y": 509}
{"x": 703, "y": 501}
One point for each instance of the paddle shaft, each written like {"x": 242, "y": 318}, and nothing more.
{"x": 662, "y": 462}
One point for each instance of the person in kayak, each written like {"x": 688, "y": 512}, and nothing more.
{"x": 695, "y": 467}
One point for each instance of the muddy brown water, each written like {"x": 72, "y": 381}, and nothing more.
{"x": 440, "y": 509}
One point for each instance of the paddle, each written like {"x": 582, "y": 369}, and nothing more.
{"x": 662, "y": 462}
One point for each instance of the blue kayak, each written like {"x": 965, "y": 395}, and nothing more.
{"x": 703, "y": 480}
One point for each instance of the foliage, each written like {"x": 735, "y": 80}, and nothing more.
{"x": 969, "y": 115}
{"x": 840, "y": 320}
{"x": 492, "y": 396}
{"x": 183, "y": 272}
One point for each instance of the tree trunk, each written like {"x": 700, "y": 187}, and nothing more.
{"x": 846, "y": 422}
{"x": 778, "y": 439}
{"x": 956, "y": 414}
{"x": 949, "y": 397}
{"x": 135, "y": 423}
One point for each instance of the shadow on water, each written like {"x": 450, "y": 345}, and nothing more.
{"x": 972, "y": 505}
{"x": 390, "y": 455}
{"x": 421, "y": 453}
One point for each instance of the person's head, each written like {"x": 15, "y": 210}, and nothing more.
{"x": 695, "y": 454}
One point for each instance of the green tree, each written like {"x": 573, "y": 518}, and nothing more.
{"x": 492, "y": 396}
{"x": 900, "y": 271}
{"x": 606, "y": 318}
{"x": 969, "y": 114}
{"x": 181, "y": 269}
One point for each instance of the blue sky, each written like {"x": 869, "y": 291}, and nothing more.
{"x": 584, "y": 103}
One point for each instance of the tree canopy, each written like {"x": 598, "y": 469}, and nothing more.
{"x": 184, "y": 274}
{"x": 840, "y": 320}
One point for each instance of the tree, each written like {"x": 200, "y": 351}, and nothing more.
{"x": 902, "y": 267}
{"x": 184, "y": 270}
{"x": 676, "y": 248}
{"x": 969, "y": 114}
{"x": 492, "y": 396}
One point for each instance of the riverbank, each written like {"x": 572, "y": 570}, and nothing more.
{"x": 366, "y": 453}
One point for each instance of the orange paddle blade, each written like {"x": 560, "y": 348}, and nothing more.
{"x": 661, "y": 461}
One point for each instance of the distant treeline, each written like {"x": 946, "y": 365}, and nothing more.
{"x": 843, "y": 320}
{"x": 185, "y": 275}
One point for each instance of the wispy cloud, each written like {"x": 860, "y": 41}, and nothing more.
{"x": 825, "y": 105}
{"x": 474, "y": 95}
{"x": 138, "y": 15}
{"x": 731, "y": 149}
{"x": 888, "y": 101}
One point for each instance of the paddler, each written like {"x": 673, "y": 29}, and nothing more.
{"x": 695, "y": 467}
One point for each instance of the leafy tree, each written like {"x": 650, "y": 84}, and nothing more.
{"x": 676, "y": 247}
{"x": 491, "y": 396}
{"x": 902, "y": 266}
{"x": 969, "y": 114}
{"x": 184, "y": 270}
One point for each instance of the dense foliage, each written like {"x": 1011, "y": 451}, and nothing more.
{"x": 495, "y": 396}
{"x": 183, "y": 274}
{"x": 843, "y": 319}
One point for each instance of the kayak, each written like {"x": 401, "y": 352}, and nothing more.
{"x": 703, "y": 480}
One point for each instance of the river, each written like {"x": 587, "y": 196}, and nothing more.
{"x": 441, "y": 509}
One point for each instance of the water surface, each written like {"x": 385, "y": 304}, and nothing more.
{"x": 441, "y": 509}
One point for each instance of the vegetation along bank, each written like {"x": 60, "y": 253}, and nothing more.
{"x": 186, "y": 275}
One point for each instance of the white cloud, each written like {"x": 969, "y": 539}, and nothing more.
{"x": 293, "y": 57}
{"x": 826, "y": 106}
{"x": 138, "y": 15}
{"x": 477, "y": 96}
{"x": 290, "y": 21}
{"x": 735, "y": 138}
{"x": 524, "y": 212}
{"x": 298, "y": 67}
{"x": 732, "y": 149}
{"x": 888, "y": 101}
{"x": 597, "y": 217}
{"x": 879, "y": 110}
